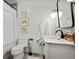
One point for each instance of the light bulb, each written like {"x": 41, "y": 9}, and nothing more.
{"x": 70, "y": 0}
{"x": 60, "y": 14}
{"x": 54, "y": 14}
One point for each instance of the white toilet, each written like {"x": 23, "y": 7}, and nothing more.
{"x": 18, "y": 50}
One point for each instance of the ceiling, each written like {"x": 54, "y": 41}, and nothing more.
{"x": 13, "y": 3}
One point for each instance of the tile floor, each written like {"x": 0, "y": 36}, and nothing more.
{"x": 33, "y": 56}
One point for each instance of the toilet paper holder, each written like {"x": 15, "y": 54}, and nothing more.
{"x": 29, "y": 46}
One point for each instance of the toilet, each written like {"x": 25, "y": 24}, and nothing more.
{"x": 18, "y": 50}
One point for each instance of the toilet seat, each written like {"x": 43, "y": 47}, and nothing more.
{"x": 17, "y": 49}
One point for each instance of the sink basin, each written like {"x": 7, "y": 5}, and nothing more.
{"x": 51, "y": 36}
{"x": 56, "y": 40}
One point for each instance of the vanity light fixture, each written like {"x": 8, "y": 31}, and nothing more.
{"x": 54, "y": 14}
{"x": 70, "y": 0}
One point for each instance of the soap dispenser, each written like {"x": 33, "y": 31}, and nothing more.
{"x": 68, "y": 36}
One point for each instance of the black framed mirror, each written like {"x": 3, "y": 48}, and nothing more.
{"x": 67, "y": 18}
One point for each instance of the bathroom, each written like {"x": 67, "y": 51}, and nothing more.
{"x": 41, "y": 29}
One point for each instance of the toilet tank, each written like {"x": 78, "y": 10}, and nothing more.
{"x": 23, "y": 41}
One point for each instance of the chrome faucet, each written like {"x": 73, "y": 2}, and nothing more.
{"x": 62, "y": 35}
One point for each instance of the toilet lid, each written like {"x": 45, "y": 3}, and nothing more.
{"x": 17, "y": 47}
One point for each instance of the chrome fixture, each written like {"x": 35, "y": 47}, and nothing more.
{"x": 61, "y": 33}
{"x": 71, "y": 0}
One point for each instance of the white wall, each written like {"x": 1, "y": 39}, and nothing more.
{"x": 37, "y": 11}
{"x": 9, "y": 22}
